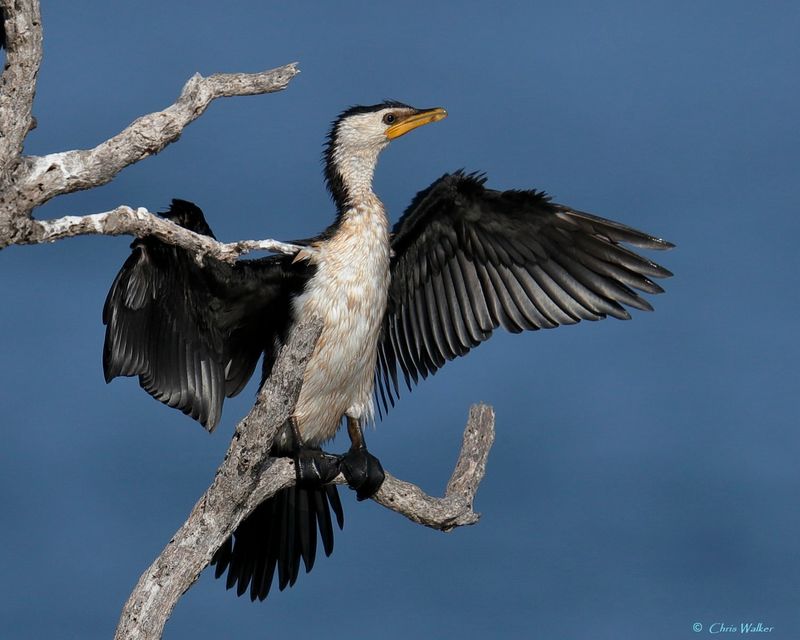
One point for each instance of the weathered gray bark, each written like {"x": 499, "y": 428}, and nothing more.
{"x": 247, "y": 476}
{"x": 139, "y": 222}
{"x": 17, "y": 88}
{"x": 23, "y": 30}
{"x": 455, "y": 508}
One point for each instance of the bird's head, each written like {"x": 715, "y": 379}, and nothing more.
{"x": 359, "y": 134}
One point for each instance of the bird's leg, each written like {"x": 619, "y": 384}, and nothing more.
{"x": 313, "y": 466}
{"x": 361, "y": 469}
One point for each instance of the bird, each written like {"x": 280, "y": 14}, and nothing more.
{"x": 396, "y": 305}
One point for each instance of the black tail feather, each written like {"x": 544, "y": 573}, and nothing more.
{"x": 278, "y": 534}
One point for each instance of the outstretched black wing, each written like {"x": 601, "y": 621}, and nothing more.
{"x": 467, "y": 259}
{"x": 193, "y": 334}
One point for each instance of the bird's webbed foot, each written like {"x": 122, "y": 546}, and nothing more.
{"x": 362, "y": 470}
{"x": 313, "y": 467}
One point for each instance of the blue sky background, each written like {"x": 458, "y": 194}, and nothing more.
{"x": 645, "y": 473}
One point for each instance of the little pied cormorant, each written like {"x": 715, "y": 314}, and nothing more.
{"x": 462, "y": 261}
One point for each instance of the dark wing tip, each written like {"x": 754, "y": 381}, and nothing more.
{"x": 189, "y": 216}
{"x": 211, "y": 423}
{"x": 664, "y": 272}
{"x": 651, "y": 242}
{"x": 662, "y": 245}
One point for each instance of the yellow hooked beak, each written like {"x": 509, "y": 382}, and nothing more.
{"x": 426, "y": 116}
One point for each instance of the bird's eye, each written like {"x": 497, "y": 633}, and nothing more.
{"x": 389, "y": 118}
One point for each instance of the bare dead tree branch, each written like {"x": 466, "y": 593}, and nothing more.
{"x": 455, "y": 509}
{"x": 69, "y": 171}
{"x": 140, "y": 222}
{"x": 23, "y": 29}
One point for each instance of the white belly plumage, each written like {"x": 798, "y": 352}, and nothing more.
{"x": 348, "y": 292}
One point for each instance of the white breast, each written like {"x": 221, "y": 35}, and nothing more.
{"x": 348, "y": 292}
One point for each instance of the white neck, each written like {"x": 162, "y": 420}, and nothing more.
{"x": 356, "y": 171}
{"x": 356, "y": 155}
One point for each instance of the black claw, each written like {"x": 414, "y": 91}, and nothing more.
{"x": 363, "y": 472}
{"x": 315, "y": 468}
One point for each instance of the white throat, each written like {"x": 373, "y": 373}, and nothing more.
{"x": 356, "y": 154}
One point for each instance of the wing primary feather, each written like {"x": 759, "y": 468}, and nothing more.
{"x": 413, "y": 351}
{"x": 390, "y": 358}
{"x": 561, "y": 297}
{"x": 381, "y": 383}
{"x": 478, "y": 301}
{"x": 400, "y": 344}
{"x": 460, "y": 338}
{"x": 182, "y": 360}
{"x": 613, "y": 230}
{"x": 619, "y": 255}
{"x": 426, "y": 315}
{"x": 471, "y": 323}
{"x": 442, "y": 352}
{"x": 533, "y": 317}
{"x": 585, "y": 296}
{"x": 492, "y": 292}
{"x": 604, "y": 287}
{"x": 617, "y": 273}
{"x": 510, "y": 318}
{"x": 417, "y": 315}
{"x": 196, "y": 381}
{"x": 199, "y": 408}
{"x": 541, "y": 299}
